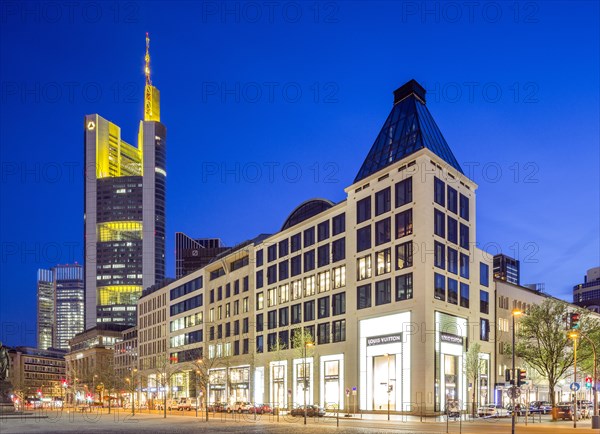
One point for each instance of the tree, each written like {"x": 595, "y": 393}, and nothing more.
{"x": 474, "y": 365}
{"x": 543, "y": 343}
{"x": 202, "y": 367}
{"x": 109, "y": 382}
{"x": 164, "y": 370}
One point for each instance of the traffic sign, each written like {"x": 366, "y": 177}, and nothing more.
{"x": 574, "y": 387}
{"x": 513, "y": 392}
{"x": 354, "y": 390}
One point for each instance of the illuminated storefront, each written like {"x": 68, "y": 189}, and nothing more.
{"x": 239, "y": 384}
{"x": 217, "y": 391}
{"x": 278, "y": 383}
{"x": 385, "y": 363}
{"x": 332, "y": 380}
{"x": 259, "y": 385}
{"x": 303, "y": 375}
{"x": 450, "y": 379}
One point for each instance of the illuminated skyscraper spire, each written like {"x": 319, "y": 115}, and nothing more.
{"x": 151, "y": 94}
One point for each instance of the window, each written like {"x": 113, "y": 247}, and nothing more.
{"x": 296, "y": 242}
{"x": 438, "y": 192}
{"x": 284, "y": 293}
{"x": 464, "y": 266}
{"x": 439, "y": 226}
{"x": 283, "y": 270}
{"x": 363, "y": 296}
{"x": 338, "y": 304}
{"x": 452, "y": 230}
{"x": 227, "y": 330}
{"x": 309, "y": 286}
{"x": 464, "y": 207}
{"x": 383, "y": 292}
{"x": 246, "y": 325}
{"x": 309, "y": 260}
{"x": 339, "y": 277}
{"x": 324, "y": 281}
{"x": 272, "y": 342}
{"x": 404, "y": 255}
{"x": 438, "y": 254}
{"x": 339, "y": 224}
{"x": 484, "y": 329}
{"x": 259, "y": 322}
{"x": 439, "y": 287}
{"x": 452, "y": 260}
{"x": 260, "y": 301}
{"x": 236, "y": 327}
{"x": 363, "y": 210}
{"x": 464, "y": 295}
{"x": 383, "y": 201}
{"x": 309, "y": 237}
{"x": 383, "y": 231}
{"x": 271, "y": 297}
{"x": 452, "y": 200}
{"x": 464, "y": 236}
{"x": 404, "y": 192}
{"x": 284, "y": 339}
{"x": 259, "y": 258}
{"x": 404, "y": 223}
{"x": 338, "y": 250}
{"x": 283, "y": 317}
{"x": 283, "y": 247}
{"x": 323, "y": 230}
{"x": 236, "y": 287}
{"x": 452, "y": 291}
{"x": 309, "y": 310}
{"x": 404, "y": 287}
{"x": 363, "y": 239}
{"x": 272, "y": 252}
{"x": 246, "y": 286}
{"x": 323, "y": 255}
{"x": 484, "y": 274}
{"x": 384, "y": 261}
{"x": 259, "y": 344}
{"x": 272, "y": 274}
{"x": 339, "y": 330}
{"x": 296, "y": 313}
{"x": 323, "y": 333}
{"x": 484, "y": 302}
{"x": 296, "y": 289}
{"x": 220, "y": 293}
{"x": 212, "y": 295}
{"x": 296, "y": 265}
{"x": 245, "y": 346}
{"x": 364, "y": 267}
{"x": 323, "y": 305}
{"x": 272, "y": 319}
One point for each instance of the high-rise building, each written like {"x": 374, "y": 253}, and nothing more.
{"x": 124, "y": 212}
{"x": 69, "y": 296}
{"x": 60, "y": 307}
{"x": 587, "y": 294}
{"x": 192, "y": 254}
{"x": 45, "y": 308}
{"x": 507, "y": 269}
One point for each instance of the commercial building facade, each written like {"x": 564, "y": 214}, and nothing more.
{"x": 125, "y": 189}
{"x": 192, "y": 254}
{"x": 36, "y": 373}
{"x": 507, "y": 269}
{"x": 587, "y": 294}
{"x": 379, "y": 295}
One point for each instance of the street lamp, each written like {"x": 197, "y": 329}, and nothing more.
{"x": 515, "y": 313}
{"x": 133, "y": 391}
{"x": 595, "y": 416}
{"x": 94, "y": 385}
{"x": 306, "y": 344}
{"x": 574, "y": 336}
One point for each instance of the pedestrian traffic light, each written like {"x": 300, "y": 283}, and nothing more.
{"x": 574, "y": 320}
{"x": 588, "y": 382}
{"x": 521, "y": 376}
{"x": 507, "y": 376}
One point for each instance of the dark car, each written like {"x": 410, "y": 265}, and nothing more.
{"x": 261, "y": 409}
{"x": 218, "y": 407}
{"x": 543, "y": 407}
{"x": 564, "y": 412}
{"x": 311, "y": 411}
{"x": 520, "y": 410}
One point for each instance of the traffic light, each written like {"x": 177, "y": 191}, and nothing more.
{"x": 522, "y": 376}
{"x": 507, "y": 376}
{"x": 588, "y": 382}
{"x": 574, "y": 320}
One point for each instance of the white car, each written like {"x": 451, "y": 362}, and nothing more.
{"x": 489, "y": 410}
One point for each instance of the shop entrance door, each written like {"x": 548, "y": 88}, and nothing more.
{"x": 384, "y": 382}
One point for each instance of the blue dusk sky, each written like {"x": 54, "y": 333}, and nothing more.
{"x": 268, "y": 104}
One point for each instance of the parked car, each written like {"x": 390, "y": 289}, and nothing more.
{"x": 260, "y": 409}
{"x": 520, "y": 410}
{"x": 543, "y": 407}
{"x": 218, "y": 407}
{"x": 172, "y": 404}
{"x": 564, "y": 412}
{"x": 311, "y": 411}
{"x": 490, "y": 410}
{"x": 186, "y": 404}
{"x": 239, "y": 406}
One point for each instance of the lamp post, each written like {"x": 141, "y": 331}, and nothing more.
{"x": 306, "y": 344}
{"x": 515, "y": 313}
{"x": 595, "y": 416}
{"x": 94, "y": 385}
{"x": 574, "y": 336}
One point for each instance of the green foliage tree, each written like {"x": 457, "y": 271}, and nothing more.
{"x": 474, "y": 365}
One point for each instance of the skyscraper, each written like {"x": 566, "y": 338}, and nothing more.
{"x": 507, "y": 269}
{"x": 193, "y": 254}
{"x": 45, "y": 308}
{"x": 60, "y": 309}
{"x": 124, "y": 211}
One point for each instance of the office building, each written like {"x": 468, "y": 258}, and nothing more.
{"x": 507, "y": 269}
{"x": 193, "y": 254}
{"x": 587, "y": 294}
{"x": 36, "y": 373}
{"x": 380, "y": 294}
{"x": 124, "y": 212}
{"x": 45, "y": 308}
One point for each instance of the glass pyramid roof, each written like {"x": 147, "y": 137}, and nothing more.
{"x": 408, "y": 128}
